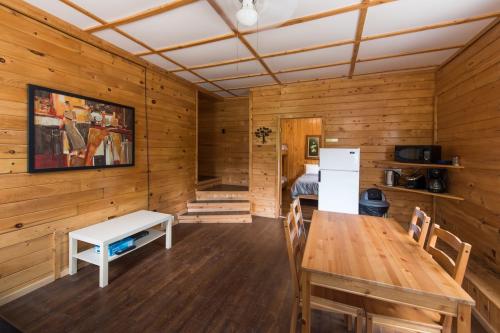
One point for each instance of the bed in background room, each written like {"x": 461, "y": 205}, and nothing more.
{"x": 306, "y": 186}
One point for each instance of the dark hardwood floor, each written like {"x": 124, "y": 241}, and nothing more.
{"x": 216, "y": 278}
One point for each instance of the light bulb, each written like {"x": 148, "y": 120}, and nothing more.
{"x": 247, "y": 15}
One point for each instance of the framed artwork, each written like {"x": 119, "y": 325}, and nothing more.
{"x": 312, "y": 146}
{"x": 71, "y": 132}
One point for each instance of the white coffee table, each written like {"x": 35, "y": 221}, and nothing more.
{"x": 105, "y": 233}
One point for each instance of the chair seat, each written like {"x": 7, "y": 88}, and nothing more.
{"x": 403, "y": 317}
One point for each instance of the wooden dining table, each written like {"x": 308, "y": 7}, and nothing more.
{"x": 374, "y": 257}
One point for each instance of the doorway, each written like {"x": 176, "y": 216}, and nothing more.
{"x": 299, "y": 138}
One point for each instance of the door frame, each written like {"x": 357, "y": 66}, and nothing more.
{"x": 278, "y": 198}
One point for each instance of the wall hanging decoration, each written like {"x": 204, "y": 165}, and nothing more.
{"x": 68, "y": 132}
{"x": 312, "y": 147}
{"x": 262, "y": 133}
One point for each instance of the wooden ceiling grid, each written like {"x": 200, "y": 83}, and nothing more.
{"x": 362, "y": 8}
{"x": 113, "y": 26}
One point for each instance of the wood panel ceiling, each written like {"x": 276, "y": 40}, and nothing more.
{"x": 201, "y": 41}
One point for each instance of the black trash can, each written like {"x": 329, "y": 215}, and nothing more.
{"x": 372, "y": 202}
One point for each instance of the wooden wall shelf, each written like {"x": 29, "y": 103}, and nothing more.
{"x": 420, "y": 165}
{"x": 425, "y": 192}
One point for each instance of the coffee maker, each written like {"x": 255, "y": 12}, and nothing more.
{"x": 436, "y": 180}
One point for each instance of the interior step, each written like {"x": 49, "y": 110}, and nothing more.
{"x": 206, "y": 195}
{"x": 218, "y": 206}
{"x": 216, "y": 217}
{"x": 207, "y": 182}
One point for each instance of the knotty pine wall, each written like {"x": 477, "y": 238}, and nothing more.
{"x": 223, "y": 155}
{"x": 374, "y": 112}
{"x": 35, "y": 207}
{"x": 468, "y": 125}
{"x": 293, "y": 134}
{"x": 468, "y": 122}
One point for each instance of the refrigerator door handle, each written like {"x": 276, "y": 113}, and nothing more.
{"x": 319, "y": 176}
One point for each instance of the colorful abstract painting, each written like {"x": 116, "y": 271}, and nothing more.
{"x": 69, "y": 131}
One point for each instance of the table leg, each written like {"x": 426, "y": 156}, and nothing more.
{"x": 306, "y": 302}
{"x": 464, "y": 318}
{"x": 103, "y": 266}
{"x": 73, "y": 251}
{"x": 168, "y": 234}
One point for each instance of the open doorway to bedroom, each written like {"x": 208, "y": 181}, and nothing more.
{"x": 300, "y": 140}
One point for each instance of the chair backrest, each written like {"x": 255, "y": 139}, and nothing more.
{"x": 456, "y": 268}
{"x": 295, "y": 251}
{"x": 419, "y": 226}
{"x": 298, "y": 218}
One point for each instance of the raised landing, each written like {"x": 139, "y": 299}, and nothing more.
{"x": 219, "y": 203}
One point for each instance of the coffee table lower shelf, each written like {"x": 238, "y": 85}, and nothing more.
{"x": 92, "y": 257}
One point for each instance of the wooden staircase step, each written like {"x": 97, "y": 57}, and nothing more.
{"x": 208, "y": 183}
{"x": 218, "y": 205}
{"x": 222, "y": 195}
{"x": 216, "y": 217}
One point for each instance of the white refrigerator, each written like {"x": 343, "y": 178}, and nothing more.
{"x": 339, "y": 180}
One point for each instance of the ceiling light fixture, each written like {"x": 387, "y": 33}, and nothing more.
{"x": 247, "y": 15}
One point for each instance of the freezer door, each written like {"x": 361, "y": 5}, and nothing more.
{"x": 339, "y": 159}
{"x": 339, "y": 191}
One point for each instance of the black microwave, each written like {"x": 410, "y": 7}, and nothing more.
{"x": 417, "y": 154}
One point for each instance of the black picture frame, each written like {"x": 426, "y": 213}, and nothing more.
{"x": 32, "y": 89}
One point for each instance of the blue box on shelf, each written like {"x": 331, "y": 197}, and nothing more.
{"x": 118, "y": 246}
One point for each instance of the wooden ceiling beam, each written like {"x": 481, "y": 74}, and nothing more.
{"x": 431, "y": 26}
{"x": 242, "y": 39}
{"x": 359, "y": 33}
{"x": 221, "y": 63}
{"x": 305, "y": 68}
{"x": 139, "y": 42}
{"x": 190, "y": 44}
{"x": 366, "y": 38}
{"x": 318, "y": 16}
{"x": 397, "y": 55}
{"x": 142, "y": 15}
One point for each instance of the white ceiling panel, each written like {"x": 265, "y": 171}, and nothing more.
{"x": 224, "y": 94}
{"x": 318, "y": 57}
{"x": 188, "y": 76}
{"x": 119, "y": 40}
{"x": 161, "y": 62}
{"x": 246, "y": 82}
{"x": 208, "y": 86}
{"x": 228, "y": 49}
{"x": 241, "y": 92}
{"x": 316, "y": 6}
{"x": 110, "y": 10}
{"x": 411, "y": 61}
{"x": 326, "y": 30}
{"x": 242, "y": 68}
{"x": 429, "y": 39}
{"x": 405, "y": 14}
{"x": 312, "y": 74}
{"x": 64, "y": 12}
{"x": 274, "y": 11}
{"x": 181, "y": 25}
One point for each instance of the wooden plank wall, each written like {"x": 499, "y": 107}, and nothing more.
{"x": 35, "y": 206}
{"x": 172, "y": 142}
{"x": 468, "y": 123}
{"x": 374, "y": 112}
{"x": 223, "y": 155}
{"x": 293, "y": 134}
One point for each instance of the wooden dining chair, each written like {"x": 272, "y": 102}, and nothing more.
{"x": 419, "y": 226}
{"x": 321, "y": 298}
{"x": 298, "y": 219}
{"x": 418, "y": 320}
